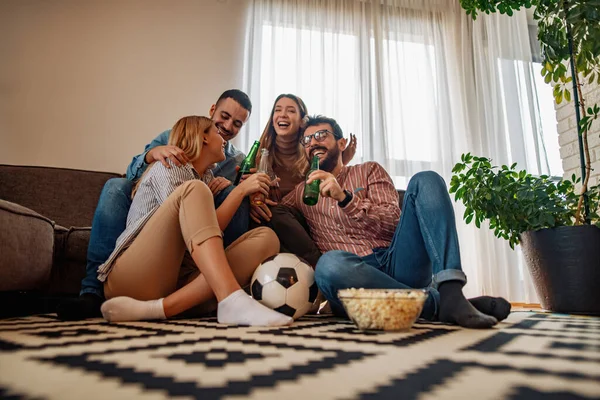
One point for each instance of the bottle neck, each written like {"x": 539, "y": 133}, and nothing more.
{"x": 314, "y": 165}
{"x": 250, "y": 160}
{"x": 264, "y": 164}
{"x": 253, "y": 151}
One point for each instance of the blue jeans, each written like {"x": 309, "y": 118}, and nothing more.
{"x": 110, "y": 219}
{"x": 424, "y": 251}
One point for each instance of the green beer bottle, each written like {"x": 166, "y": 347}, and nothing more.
{"x": 311, "y": 190}
{"x": 249, "y": 162}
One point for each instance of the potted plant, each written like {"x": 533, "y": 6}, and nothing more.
{"x": 556, "y": 224}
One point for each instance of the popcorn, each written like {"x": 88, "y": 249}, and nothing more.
{"x": 383, "y": 309}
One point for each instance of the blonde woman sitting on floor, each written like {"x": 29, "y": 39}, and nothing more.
{"x": 172, "y": 250}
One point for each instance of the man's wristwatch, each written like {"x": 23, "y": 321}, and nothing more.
{"x": 347, "y": 199}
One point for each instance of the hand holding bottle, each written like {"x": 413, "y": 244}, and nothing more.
{"x": 310, "y": 196}
{"x": 255, "y": 183}
{"x": 248, "y": 163}
{"x": 262, "y": 212}
{"x": 329, "y": 186}
{"x": 245, "y": 176}
{"x": 264, "y": 167}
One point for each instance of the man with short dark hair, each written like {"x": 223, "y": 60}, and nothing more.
{"x": 367, "y": 243}
{"x": 230, "y": 113}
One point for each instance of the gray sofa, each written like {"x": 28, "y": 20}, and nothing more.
{"x": 45, "y": 219}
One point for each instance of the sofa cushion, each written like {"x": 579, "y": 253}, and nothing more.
{"x": 26, "y": 247}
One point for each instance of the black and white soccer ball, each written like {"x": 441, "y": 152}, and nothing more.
{"x": 286, "y": 284}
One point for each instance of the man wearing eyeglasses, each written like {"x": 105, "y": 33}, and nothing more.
{"x": 366, "y": 243}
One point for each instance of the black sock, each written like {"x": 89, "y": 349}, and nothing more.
{"x": 456, "y": 309}
{"x": 497, "y": 307}
{"x": 85, "y": 306}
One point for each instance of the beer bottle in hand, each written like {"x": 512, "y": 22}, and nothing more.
{"x": 258, "y": 198}
{"x": 249, "y": 162}
{"x": 311, "y": 190}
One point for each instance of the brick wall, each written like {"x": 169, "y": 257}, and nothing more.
{"x": 567, "y": 136}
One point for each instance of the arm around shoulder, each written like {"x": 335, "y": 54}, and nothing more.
{"x": 139, "y": 163}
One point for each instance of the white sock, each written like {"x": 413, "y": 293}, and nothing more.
{"x": 240, "y": 309}
{"x": 127, "y": 309}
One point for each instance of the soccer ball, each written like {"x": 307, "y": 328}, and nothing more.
{"x": 285, "y": 284}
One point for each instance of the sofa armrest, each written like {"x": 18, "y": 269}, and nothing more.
{"x": 26, "y": 247}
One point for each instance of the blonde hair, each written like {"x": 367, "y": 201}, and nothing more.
{"x": 267, "y": 139}
{"x": 187, "y": 134}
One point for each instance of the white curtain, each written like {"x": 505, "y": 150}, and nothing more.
{"x": 419, "y": 83}
{"x": 505, "y": 127}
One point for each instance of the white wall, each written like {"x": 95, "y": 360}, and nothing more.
{"x": 567, "y": 136}
{"x": 86, "y": 84}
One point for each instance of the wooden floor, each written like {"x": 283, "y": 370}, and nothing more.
{"x": 526, "y": 307}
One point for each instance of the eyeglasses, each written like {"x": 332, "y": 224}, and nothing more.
{"x": 318, "y": 135}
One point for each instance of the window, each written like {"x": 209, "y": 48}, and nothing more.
{"x": 326, "y": 76}
{"x": 548, "y": 121}
{"x": 529, "y": 117}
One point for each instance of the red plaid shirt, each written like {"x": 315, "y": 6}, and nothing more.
{"x": 367, "y": 222}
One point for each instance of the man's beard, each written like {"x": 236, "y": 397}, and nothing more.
{"x": 330, "y": 161}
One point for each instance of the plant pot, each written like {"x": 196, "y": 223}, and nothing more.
{"x": 564, "y": 263}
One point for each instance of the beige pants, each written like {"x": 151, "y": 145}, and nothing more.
{"x": 151, "y": 267}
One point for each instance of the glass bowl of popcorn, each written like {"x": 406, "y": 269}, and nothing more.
{"x": 383, "y": 309}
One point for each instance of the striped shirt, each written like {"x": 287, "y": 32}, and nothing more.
{"x": 368, "y": 221}
{"x": 156, "y": 185}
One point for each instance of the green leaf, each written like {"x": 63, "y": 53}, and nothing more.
{"x": 556, "y": 75}
{"x": 556, "y": 90}
{"x": 467, "y": 212}
{"x": 469, "y": 219}
{"x": 567, "y": 95}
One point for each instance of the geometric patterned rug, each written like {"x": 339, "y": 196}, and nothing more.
{"x": 528, "y": 356}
